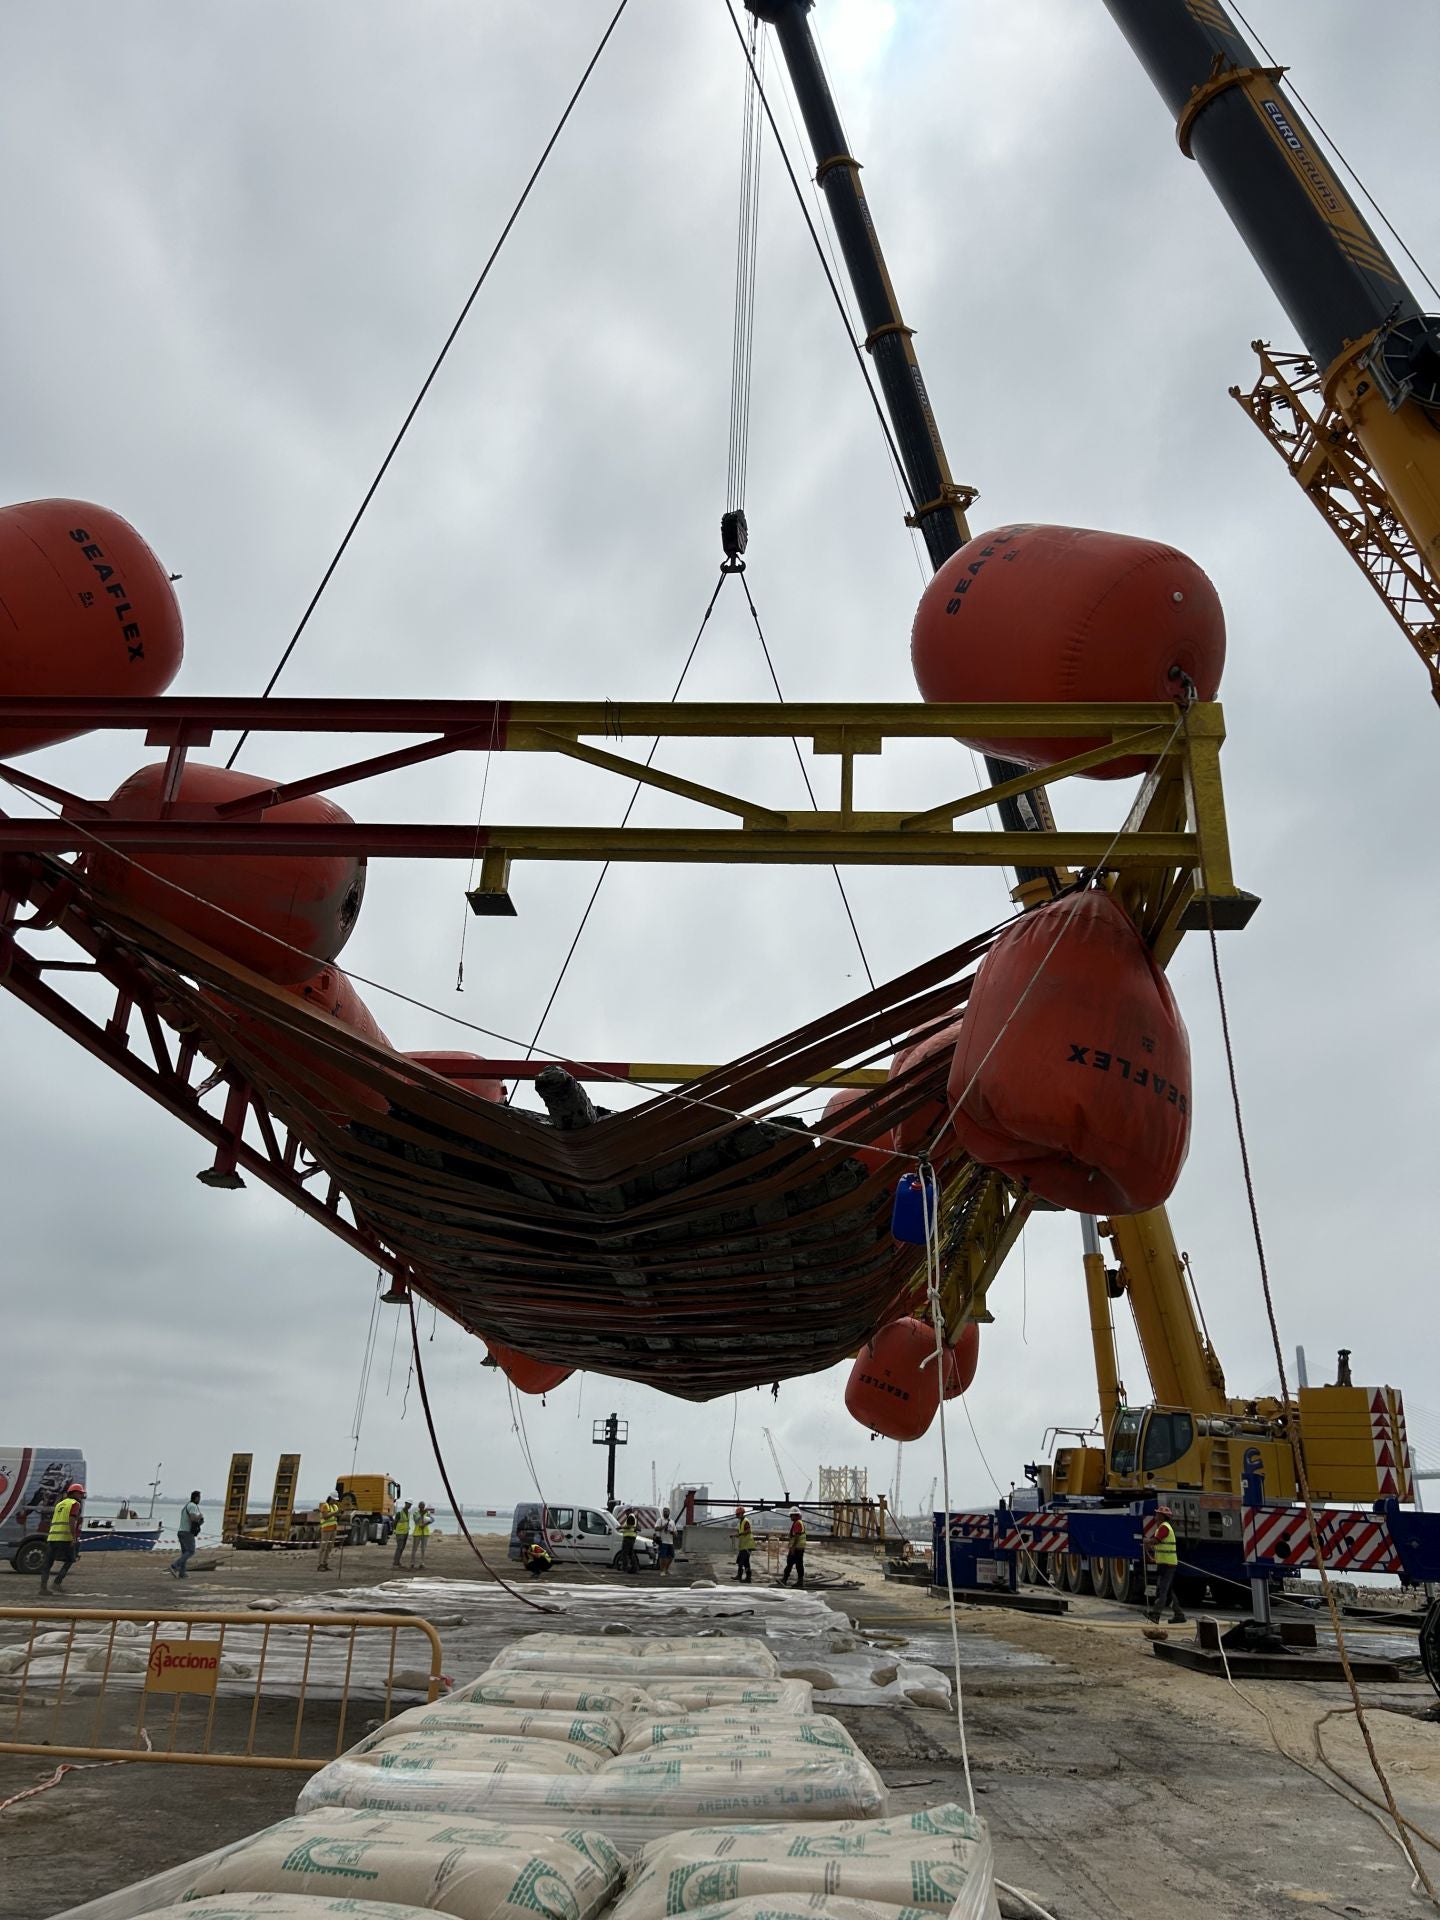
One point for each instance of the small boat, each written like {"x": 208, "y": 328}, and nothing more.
{"x": 125, "y": 1533}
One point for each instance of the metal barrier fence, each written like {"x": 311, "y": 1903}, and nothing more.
{"x": 249, "y": 1690}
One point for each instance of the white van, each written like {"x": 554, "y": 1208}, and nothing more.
{"x": 574, "y": 1533}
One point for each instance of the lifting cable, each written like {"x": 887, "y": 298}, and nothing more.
{"x": 439, "y": 361}
{"x": 830, "y": 280}
{"x": 499, "y": 1579}
{"x": 734, "y": 530}
{"x": 805, "y": 776}
{"x": 624, "y": 822}
{"x": 1302, "y": 1478}
{"x": 746, "y": 254}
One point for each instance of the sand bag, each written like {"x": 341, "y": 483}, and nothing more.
{"x": 473, "y": 1753}
{"x": 808, "y": 1906}
{"x": 630, "y": 1800}
{"x": 287, "y": 1906}
{"x": 642, "y": 1661}
{"x": 598, "y": 1733}
{"x": 715, "y": 1727}
{"x": 790, "y": 1697}
{"x": 473, "y": 1870}
{"x": 938, "y": 1860}
{"x": 559, "y": 1693}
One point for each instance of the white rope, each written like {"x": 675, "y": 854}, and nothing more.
{"x": 929, "y": 1200}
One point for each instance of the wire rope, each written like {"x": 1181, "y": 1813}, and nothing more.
{"x": 742, "y": 351}
{"x": 438, "y": 362}
{"x": 534, "y": 1042}
{"x": 819, "y": 246}
{"x": 1334, "y": 147}
{"x": 805, "y": 776}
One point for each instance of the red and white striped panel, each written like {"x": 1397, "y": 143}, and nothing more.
{"x": 1036, "y": 1533}
{"x": 971, "y": 1526}
{"x": 1351, "y": 1540}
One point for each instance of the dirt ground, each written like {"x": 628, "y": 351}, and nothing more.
{"x": 1116, "y": 1787}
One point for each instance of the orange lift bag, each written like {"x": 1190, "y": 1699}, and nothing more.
{"x": 523, "y": 1373}
{"x": 1072, "y": 1071}
{"x": 85, "y": 610}
{"x": 1065, "y": 613}
{"x": 894, "y": 1384}
{"x": 281, "y": 914}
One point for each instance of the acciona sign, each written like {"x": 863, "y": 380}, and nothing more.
{"x": 183, "y": 1666}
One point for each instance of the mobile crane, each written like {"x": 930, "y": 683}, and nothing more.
{"x": 1356, "y": 416}
{"x": 1208, "y": 1453}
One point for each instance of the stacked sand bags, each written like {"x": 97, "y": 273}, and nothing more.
{"x": 937, "y": 1861}
{"x": 475, "y": 1871}
{"x": 643, "y": 1770}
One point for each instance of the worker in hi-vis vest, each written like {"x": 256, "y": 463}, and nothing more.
{"x": 1161, "y": 1547}
{"x": 329, "y": 1519}
{"x": 744, "y": 1545}
{"x": 62, "y": 1539}
{"x": 629, "y": 1529}
{"x": 420, "y": 1533}
{"x": 400, "y": 1527}
{"x": 795, "y": 1557}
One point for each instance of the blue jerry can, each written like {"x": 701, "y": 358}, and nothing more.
{"x": 907, "y": 1222}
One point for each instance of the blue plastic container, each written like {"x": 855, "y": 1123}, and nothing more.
{"x": 907, "y": 1222}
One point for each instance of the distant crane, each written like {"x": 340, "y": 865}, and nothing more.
{"x": 775, "y": 1456}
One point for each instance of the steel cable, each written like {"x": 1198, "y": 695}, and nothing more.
{"x": 439, "y": 361}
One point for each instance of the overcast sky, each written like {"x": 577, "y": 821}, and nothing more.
{"x": 233, "y": 239}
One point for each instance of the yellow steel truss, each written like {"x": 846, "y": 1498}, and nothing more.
{"x": 1288, "y": 404}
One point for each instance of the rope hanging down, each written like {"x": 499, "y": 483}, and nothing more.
{"x": 439, "y": 361}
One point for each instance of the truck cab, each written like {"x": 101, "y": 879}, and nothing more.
{"x": 573, "y": 1533}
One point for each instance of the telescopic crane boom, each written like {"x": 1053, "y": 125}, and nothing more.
{"x": 1357, "y": 416}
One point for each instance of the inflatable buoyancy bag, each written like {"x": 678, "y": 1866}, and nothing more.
{"x": 1072, "y": 1069}
{"x": 894, "y": 1385}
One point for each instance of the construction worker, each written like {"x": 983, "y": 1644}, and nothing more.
{"x": 400, "y": 1526}
{"x": 664, "y": 1537}
{"x": 629, "y": 1528}
{"x": 329, "y": 1520}
{"x": 537, "y": 1559}
{"x": 795, "y": 1557}
{"x": 744, "y": 1546}
{"x": 1162, "y": 1549}
{"x": 62, "y": 1540}
{"x": 187, "y": 1533}
{"x": 420, "y": 1533}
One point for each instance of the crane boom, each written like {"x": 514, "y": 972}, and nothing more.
{"x": 1368, "y": 451}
